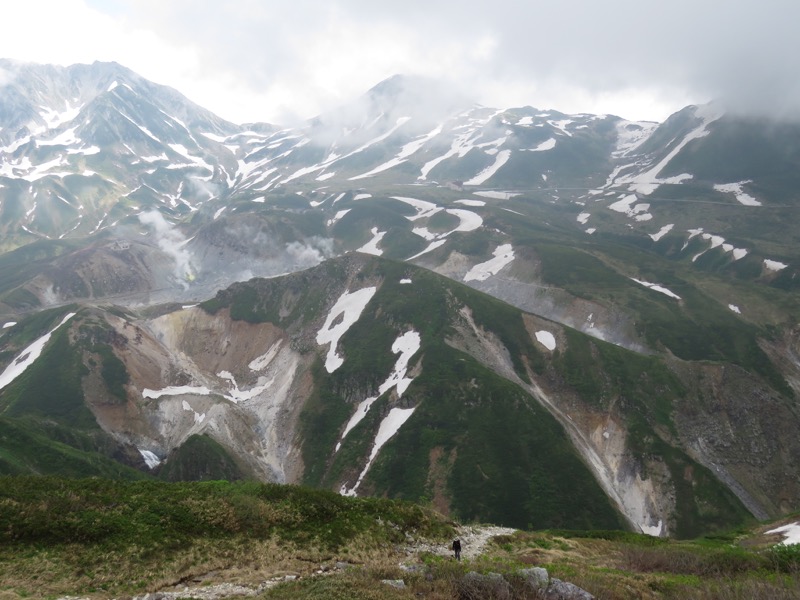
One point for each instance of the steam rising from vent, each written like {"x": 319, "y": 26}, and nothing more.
{"x": 308, "y": 255}
{"x": 203, "y": 188}
{"x": 293, "y": 257}
{"x": 50, "y": 297}
{"x": 172, "y": 242}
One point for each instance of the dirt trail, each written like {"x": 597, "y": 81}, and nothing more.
{"x": 473, "y": 541}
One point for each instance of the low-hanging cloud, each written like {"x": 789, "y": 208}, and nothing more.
{"x": 7, "y": 75}
{"x": 301, "y": 58}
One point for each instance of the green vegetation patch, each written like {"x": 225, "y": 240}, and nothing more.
{"x": 698, "y": 327}
{"x": 578, "y": 272}
{"x": 296, "y": 298}
{"x": 201, "y": 458}
{"x": 36, "y": 510}
{"x": 602, "y": 373}
{"x": 509, "y": 461}
{"x": 45, "y": 448}
{"x": 51, "y": 386}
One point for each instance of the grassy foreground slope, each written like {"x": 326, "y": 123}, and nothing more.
{"x": 110, "y": 539}
{"x": 104, "y": 537}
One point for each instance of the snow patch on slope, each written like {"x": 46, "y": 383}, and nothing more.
{"x": 662, "y": 232}
{"x": 647, "y": 182}
{"x": 390, "y": 425}
{"x": 736, "y": 189}
{"x": 350, "y": 306}
{"x": 29, "y": 355}
{"x": 546, "y": 339}
{"x": 406, "y": 151}
{"x": 544, "y": 146}
{"x": 791, "y": 533}
{"x": 774, "y": 265}
{"x": 371, "y": 247}
{"x": 503, "y": 255}
{"x": 407, "y": 346}
{"x": 501, "y": 159}
{"x": 631, "y": 135}
{"x": 657, "y": 288}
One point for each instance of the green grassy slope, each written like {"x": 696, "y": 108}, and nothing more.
{"x": 98, "y": 538}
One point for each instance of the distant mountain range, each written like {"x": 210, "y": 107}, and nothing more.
{"x": 517, "y": 315}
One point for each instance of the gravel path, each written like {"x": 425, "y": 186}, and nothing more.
{"x": 473, "y": 541}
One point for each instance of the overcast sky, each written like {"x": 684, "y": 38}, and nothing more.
{"x": 278, "y": 61}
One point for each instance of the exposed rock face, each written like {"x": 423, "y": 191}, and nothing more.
{"x": 193, "y": 373}
{"x": 600, "y": 437}
{"x": 736, "y": 434}
{"x": 494, "y": 585}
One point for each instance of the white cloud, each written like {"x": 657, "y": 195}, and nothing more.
{"x": 251, "y": 60}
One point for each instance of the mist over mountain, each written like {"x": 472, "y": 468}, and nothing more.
{"x": 515, "y": 314}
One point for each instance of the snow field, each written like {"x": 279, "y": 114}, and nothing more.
{"x": 736, "y": 190}
{"x": 500, "y": 159}
{"x": 647, "y": 182}
{"x": 150, "y": 459}
{"x": 657, "y": 288}
{"x": 350, "y": 306}
{"x": 496, "y": 195}
{"x": 468, "y": 221}
{"x": 544, "y": 146}
{"x": 262, "y": 362}
{"x": 178, "y": 390}
{"x": 662, "y": 232}
{"x": 424, "y": 209}
{"x": 431, "y": 247}
{"x": 462, "y": 144}
{"x": 774, "y": 265}
{"x": 791, "y": 533}
{"x": 233, "y": 394}
{"x": 546, "y": 339}
{"x": 407, "y": 345}
{"x": 339, "y": 214}
{"x": 716, "y": 241}
{"x": 631, "y": 135}
{"x": 627, "y": 205}
{"x": 409, "y": 149}
{"x": 371, "y": 247}
{"x": 503, "y": 255}
{"x": 390, "y": 425}
{"x": 332, "y": 158}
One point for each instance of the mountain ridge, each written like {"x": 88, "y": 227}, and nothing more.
{"x": 591, "y": 228}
